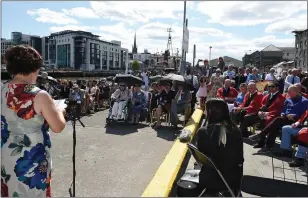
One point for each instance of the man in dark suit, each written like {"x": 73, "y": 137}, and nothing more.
{"x": 240, "y": 77}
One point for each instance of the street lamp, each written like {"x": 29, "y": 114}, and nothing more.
{"x": 210, "y": 55}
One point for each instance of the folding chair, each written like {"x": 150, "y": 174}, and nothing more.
{"x": 203, "y": 160}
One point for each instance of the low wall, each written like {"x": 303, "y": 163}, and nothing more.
{"x": 174, "y": 164}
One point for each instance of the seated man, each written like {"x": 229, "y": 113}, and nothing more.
{"x": 120, "y": 98}
{"x": 165, "y": 98}
{"x": 227, "y": 92}
{"x": 286, "y": 143}
{"x": 250, "y": 105}
{"x": 181, "y": 104}
{"x": 299, "y": 87}
{"x": 272, "y": 105}
{"x": 294, "y": 107}
{"x": 240, "y": 96}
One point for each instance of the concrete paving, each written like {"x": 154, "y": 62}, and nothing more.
{"x": 258, "y": 174}
{"x": 115, "y": 161}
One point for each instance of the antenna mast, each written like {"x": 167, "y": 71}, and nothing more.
{"x": 169, "y": 44}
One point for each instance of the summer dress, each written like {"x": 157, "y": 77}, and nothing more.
{"x": 25, "y": 144}
{"x": 216, "y": 82}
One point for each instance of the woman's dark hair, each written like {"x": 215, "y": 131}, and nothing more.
{"x": 22, "y": 59}
{"x": 218, "y": 112}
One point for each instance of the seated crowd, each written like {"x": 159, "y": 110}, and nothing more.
{"x": 276, "y": 114}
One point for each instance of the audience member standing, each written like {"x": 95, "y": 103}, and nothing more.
{"x": 291, "y": 79}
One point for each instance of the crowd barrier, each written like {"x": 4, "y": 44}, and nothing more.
{"x": 174, "y": 164}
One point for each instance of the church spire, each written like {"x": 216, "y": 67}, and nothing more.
{"x": 135, "y": 50}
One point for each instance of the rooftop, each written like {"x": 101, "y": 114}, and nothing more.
{"x": 271, "y": 48}
{"x": 299, "y": 31}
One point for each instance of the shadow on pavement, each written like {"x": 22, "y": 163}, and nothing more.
{"x": 266, "y": 187}
{"x": 167, "y": 133}
{"x": 123, "y": 129}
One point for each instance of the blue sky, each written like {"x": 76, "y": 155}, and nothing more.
{"x": 231, "y": 28}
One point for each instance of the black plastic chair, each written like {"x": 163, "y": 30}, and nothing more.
{"x": 203, "y": 160}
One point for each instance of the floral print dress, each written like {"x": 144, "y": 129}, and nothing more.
{"x": 216, "y": 82}
{"x": 25, "y": 144}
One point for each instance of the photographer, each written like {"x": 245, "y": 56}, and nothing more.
{"x": 76, "y": 97}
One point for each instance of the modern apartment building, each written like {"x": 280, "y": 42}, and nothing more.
{"x": 301, "y": 46}
{"x": 18, "y": 38}
{"x": 83, "y": 51}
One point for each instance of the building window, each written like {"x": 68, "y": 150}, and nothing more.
{"x": 287, "y": 54}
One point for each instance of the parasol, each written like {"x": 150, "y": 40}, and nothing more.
{"x": 129, "y": 79}
{"x": 155, "y": 78}
{"x": 179, "y": 79}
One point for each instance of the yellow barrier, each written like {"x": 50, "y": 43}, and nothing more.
{"x": 164, "y": 178}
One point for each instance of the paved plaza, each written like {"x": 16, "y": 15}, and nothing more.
{"x": 115, "y": 161}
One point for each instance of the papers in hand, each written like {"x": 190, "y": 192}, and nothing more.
{"x": 60, "y": 104}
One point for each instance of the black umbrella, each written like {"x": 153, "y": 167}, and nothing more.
{"x": 109, "y": 78}
{"x": 129, "y": 79}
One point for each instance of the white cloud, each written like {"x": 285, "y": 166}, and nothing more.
{"x": 45, "y": 15}
{"x": 81, "y": 12}
{"x": 288, "y": 25}
{"x": 249, "y": 13}
{"x": 71, "y": 27}
{"x": 138, "y": 11}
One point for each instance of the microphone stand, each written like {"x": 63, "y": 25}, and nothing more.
{"x": 74, "y": 116}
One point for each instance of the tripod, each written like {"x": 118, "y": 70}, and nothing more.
{"x": 74, "y": 116}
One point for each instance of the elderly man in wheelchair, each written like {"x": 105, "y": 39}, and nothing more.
{"x": 119, "y": 101}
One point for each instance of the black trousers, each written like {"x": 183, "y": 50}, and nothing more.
{"x": 237, "y": 117}
{"x": 248, "y": 121}
{"x": 273, "y": 128}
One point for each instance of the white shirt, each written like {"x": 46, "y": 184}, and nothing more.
{"x": 195, "y": 80}
{"x": 269, "y": 77}
{"x": 145, "y": 78}
{"x": 230, "y": 74}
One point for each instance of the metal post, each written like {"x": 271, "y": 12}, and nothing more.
{"x": 210, "y": 55}
{"x": 194, "y": 57}
{"x": 183, "y": 51}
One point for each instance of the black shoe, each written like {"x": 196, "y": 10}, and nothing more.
{"x": 284, "y": 153}
{"x": 297, "y": 162}
{"x": 256, "y": 137}
{"x": 265, "y": 149}
{"x": 259, "y": 145}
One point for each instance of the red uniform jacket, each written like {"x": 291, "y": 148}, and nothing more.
{"x": 302, "y": 119}
{"x": 232, "y": 93}
{"x": 303, "y": 136}
{"x": 255, "y": 103}
{"x": 274, "y": 110}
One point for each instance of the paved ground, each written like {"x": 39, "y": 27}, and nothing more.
{"x": 116, "y": 161}
{"x": 258, "y": 174}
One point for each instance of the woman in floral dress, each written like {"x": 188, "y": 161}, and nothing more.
{"x": 25, "y": 141}
{"x": 139, "y": 103}
{"x": 215, "y": 83}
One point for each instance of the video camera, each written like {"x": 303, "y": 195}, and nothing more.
{"x": 74, "y": 103}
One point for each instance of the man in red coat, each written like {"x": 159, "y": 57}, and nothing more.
{"x": 272, "y": 105}
{"x": 251, "y": 104}
{"x": 227, "y": 93}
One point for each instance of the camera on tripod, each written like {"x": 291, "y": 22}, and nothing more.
{"x": 74, "y": 104}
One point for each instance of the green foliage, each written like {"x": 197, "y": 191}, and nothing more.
{"x": 135, "y": 65}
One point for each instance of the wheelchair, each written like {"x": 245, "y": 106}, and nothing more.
{"x": 126, "y": 111}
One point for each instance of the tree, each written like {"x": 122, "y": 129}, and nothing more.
{"x": 135, "y": 65}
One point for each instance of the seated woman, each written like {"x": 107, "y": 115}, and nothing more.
{"x": 181, "y": 104}
{"x": 139, "y": 103}
{"x": 222, "y": 142}
{"x": 120, "y": 98}
{"x": 240, "y": 96}
{"x": 164, "y": 100}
